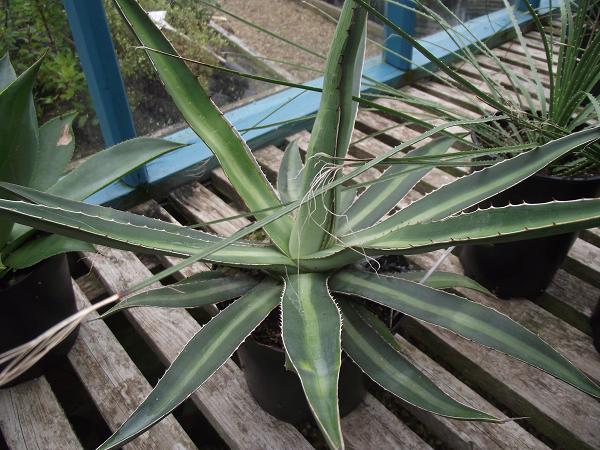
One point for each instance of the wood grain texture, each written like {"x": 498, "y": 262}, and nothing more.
{"x": 583, "y": 261}
{"x": 116, "y": 385}
{"x": 465, "y": 435}
{"x": 371, "y": 425}
{"x": 571, "y": 299}
{"x": 195, "y": 201}
{"x": 32, "y": 419}
{"x": 556, "y": 409}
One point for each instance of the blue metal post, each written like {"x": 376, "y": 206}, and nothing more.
{"x": 522, "y": 5}
{"x": 99, "y": 61}
{"x": 399, "y": 54}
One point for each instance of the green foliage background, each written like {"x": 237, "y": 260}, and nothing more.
{"x": 30, "y": 27}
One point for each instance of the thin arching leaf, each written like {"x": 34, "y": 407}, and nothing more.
{"x": 476, "y": 187}
{"x": 289, "y": 180}
{"x": 37, "y": 250}
{"x": 120, "y": 229}
{"x": 208, "y": 122}
{"x": 332, "y": 130}
{"x": 442, "y": 280}
{"x": 18, "y": 130}
{"x": 495, "y": 225}
{"x": 199, "y": 359}
{"x": 311, "y": 327}
{"x": 56, "y": 146}
{"x": 107, "y": 166}
{"x": 371, "y": 345}
{"x": 7, "y": 72}
{"x": 381, "y": 198}
{"x": 199, "y": 290}
{"x": 465, "y": 318}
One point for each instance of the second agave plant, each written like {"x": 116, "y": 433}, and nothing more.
{"x": 317, "y": 230}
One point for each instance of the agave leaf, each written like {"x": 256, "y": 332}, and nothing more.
{"x": 465, "y": 318}
{"x": 18, "y": 131}
{"x": 371, "y": 345}
{"x": 124, "y": 230}
{"x": 289, "y": 181}
{"x": 442, "y": 280}
{"x": 199, "y": 359}
{"x": 107, "y": 166}
{"x": 495, "y": 225}
{"x": 332, "y": 129}
{"x": 37, "y": 250}
{"x": 380, "y": 198}
{"x": 7, "y": 72}
{"x": 56, "y": 146}
{"x": 484, "y": 226}
{"x": 311, "y": 336}
{"x": 192, "y": 292}
{"x": 476, "y": 187}
{"x": 208, "y": 122}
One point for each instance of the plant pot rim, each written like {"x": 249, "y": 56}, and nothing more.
{"x": 26, "y": 272}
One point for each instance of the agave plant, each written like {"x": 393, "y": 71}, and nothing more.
{"x": 317, "y": 230}
{"x": 543, "y": 102}
{"x": 38, "y": 156}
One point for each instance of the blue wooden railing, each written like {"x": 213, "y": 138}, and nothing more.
{"x": 97, "y": 55}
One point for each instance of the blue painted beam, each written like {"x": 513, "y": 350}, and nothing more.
{"x": 99, "y": 61}
{"x": 399, "y": 50}
{"x": 300, "y": 103}
{"x": 522, "y": 4}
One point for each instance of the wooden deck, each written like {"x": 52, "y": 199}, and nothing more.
{"x": 115, "y": 375}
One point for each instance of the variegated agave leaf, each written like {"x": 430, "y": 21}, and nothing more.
{"x": 306, "y": 272}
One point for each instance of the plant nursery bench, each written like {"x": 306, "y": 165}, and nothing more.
{"x": 113, "y": 364}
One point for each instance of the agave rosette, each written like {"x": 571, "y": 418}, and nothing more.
{"x": 317, "y": 231}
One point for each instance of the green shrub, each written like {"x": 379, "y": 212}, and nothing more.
{"x": 28, "y": 28}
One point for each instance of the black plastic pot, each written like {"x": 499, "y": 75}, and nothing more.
{"x": 35, "y": 300}
{"x": 525, "y": 268}
{"x": 279, "y": 391}
{"x": 595, "y": 322}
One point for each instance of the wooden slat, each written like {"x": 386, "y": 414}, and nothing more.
{"x": 502, "y": 79}
{"x": 371, "y": 425}
{"x": 592, "y": 236}
{"x": 490, "y": 63}
{"x": 536, "y": 54}
{"x": 32, "y": 419}
{"x": 508, "y": 55}
{"x": 570, "y": 342}
{"x": 368, "y": 150}
{"x": 116, "y": 385}
{"x": 450, "y": 105}
{"x": 212, "y": 207}
{"x": 557, "y": 410}
{"x": 583, "y": 261}
{"x": 224, "y": 398}
{"x": 465, "y": 435}
{"x": 571, "y": 299}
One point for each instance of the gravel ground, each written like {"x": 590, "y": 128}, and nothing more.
{"x": 291, "y": 19}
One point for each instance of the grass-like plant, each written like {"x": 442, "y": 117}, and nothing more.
{"x": 317, "y": 231}
{"x": 541, "y": 101}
